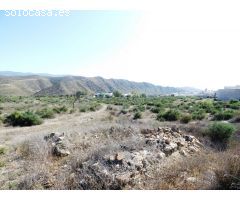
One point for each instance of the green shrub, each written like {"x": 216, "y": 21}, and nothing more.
{"x": 198, "y": 115}
{"x": 109, "y": 107}
{"x": 137, "y": 115}
{"x": 155, "y": 109}
{"x": 62, "y": 109}
{"x": 2, "y": 150}
{"x": 160, "y": 117}
{"x": 186, "y": 118}
{"x": 123, "y": 111}
{"x": 141, "y": 108}
{"x": 224, "y": 115}
{"x": 117, "y": 94}
{"x": 46, "y": 113}
{"x": 220, "y": 131}
{"x": 2, "y": 164}
{"x": 1, "y": 119}
{"x": 94, "y": 107}
{"x": 171, "y": 115}
{"x": 82, "y": 109}
{"x": 126, "y": 106}
{"x": 72, "y": 111}
{"x": 207, "y": 106}
{"x": 150, "y": 103}
{"x": 23, "y": 119}
{"x": 158, "y": 104}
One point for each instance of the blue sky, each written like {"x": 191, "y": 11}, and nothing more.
{"x": 169, "y": 47}
{"x": 61, "y": 45}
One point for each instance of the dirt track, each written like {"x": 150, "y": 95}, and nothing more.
{"x": 68, "y": 123}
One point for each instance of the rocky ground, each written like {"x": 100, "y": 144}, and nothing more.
{"x": 99, "y": 150}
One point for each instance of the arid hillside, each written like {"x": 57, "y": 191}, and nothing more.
{"x": 48, "y": 85}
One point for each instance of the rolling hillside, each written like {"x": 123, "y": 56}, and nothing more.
{"x": 52, "y": 85}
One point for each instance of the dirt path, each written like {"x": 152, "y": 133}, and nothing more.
{"x": 68, "y": 123}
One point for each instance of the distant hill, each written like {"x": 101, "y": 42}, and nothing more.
{"x": 24, "y": 85}
{"x": 10, "y": 73}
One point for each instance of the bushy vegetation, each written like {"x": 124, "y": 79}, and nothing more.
{"x": 1, "y": 119}
{"x": 46, "y": 113}
{"x": 89, "y": 107}
{"x": 23, "y": 119}
{"x": 2, "y": 150}
{"x": 199, "y": 115}
{"x": 82, "y": 109}
{"x": 155, "y": 109}
{"x": 137, "y": 115}
{"x": 221, "y": 132}
{"x": 116, "y": 119}
{"x": 224, "y": 115}
{"x": 186, "y": 118}
{"x": 2, "y": 164}
{"x": 170, "y": 115}
{"x": 117, "y": 94}
{"x": 61, "y": 109}
{"x": 166, "y": 108}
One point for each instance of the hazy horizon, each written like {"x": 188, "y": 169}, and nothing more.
{"x": 138, "y": 46}
{"x": 64, "y": 75}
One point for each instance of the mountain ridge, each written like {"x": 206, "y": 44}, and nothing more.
{"x": 35, "y": 84}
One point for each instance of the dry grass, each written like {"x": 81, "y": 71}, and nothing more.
{"x": 228, "y": 171}
{"x": 94, "y": 136}
{"x": 186, "y": 174}
{"x": 83, "y": 168}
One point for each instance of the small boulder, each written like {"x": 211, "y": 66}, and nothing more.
{"x": 61, "y": 152}
{"x": 161, "y": 155}
{"x": 166, "y": 140}
{"x": 124, "y": 178}
{"x": 193, "y": 149}
{"x": 168, "y": 149}
{"x": 181, "y": 143}
{"x": 182, "y": 152}
{"x": 189, "y": 138}
{"x": 191, "y": 180}
{"x": 119, "y": 156}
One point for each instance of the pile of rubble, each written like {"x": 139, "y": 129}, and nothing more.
{"x": 128, "y": 166}
{"x": 169, "y": 140}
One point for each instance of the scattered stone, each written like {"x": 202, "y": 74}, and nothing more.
{"x": 60, "y": 151}
{"x": 166, "y": 140}
{"x": 193, "y": 149}
{"x": 182, "y": 152}
{"x": 169, "y": 149}
{"x": 161, "y": 155}
{"x": 191, "y": 180}
{"x": 198, "y": 143}
{"x": 119, "y": 156}
{"x": 56, "y": 141}
{"x": 128, "y": 166}
{"x": 151, "y": 141}
{"x": 180, "y": 143}
{"x": 112, "y": 158}
{"x": 124, "y": 178}
{"x": 189, "y": 138}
